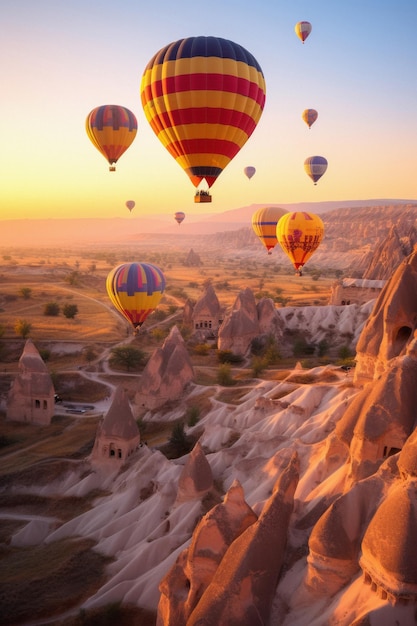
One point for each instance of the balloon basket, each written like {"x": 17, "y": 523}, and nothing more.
{"x": 202, "y": 198}
{"x": 112, "y": 168}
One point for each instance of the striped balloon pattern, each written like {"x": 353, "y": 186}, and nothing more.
{"x": 203, "y": 97}
{"x": 315, "y": 167}
{"x": 264, "y": 224}
{"x": 135, "y": 290}
{"x": 299, "y": 235}
{"x": 111, "y": 129}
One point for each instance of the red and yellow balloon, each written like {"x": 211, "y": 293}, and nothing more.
{"x": 203, "y": 97}
{"x": 302, "y": 30}
{"x": 111, "y": 129}
{"x": 135, "y": 290}
{"x": 299, "y": 235}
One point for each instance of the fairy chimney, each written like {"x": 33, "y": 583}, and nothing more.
{"x": 118, "y": 434}
{"x": 196, "y": 478}
{"x": 32, "y": 395}
{"x": 241, "y": 324}
{"x": 391, "y": 325}
{"x": 167, "y": 373}
{"x": 207, "y": 313}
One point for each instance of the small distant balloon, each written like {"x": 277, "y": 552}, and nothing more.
{"x": 111, "y": 129}
{"x": 302, "y": 30}
{"x": 130, "y": 204}
{"x": 309, "y": 116}
{"x": 299, "y": 235}
{"x": 249, "y": 171}
{"x": 135, "y": 290}
{"x": 179, "y": 217}
{"x": 315, "y": 166}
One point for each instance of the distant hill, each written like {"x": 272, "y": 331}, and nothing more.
{"x": 53, "y": 232}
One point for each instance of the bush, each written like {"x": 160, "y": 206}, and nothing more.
{"x": 52, "y": 309}
{"x": 227, "y": 356}
{"x": 127, "y": 357}
{"x": 70, "y": 311}
{"x": 224, "y": 375}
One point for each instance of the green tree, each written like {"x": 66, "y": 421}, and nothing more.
{"x": 89, "y": 354}
{"x": 224, "y": 375}
{"x": 70, "y": 311}
{"x": 179, "y": 440}
{"x": 26, "y": 293}
{"x": 52, "y": 309}
{"x": 22, "y": 328}
{"x": 127, "y": 357}
{"x": 73, "y": 278}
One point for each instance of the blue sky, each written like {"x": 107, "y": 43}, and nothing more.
{"x": 60, "y": 59}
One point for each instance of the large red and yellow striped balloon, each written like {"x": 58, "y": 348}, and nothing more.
{"x": 203, "y": 97}
{"x": 264, "y": 224}
{"x": 111, "y": 129}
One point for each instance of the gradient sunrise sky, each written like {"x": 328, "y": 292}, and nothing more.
{"x": 61, "y": 59}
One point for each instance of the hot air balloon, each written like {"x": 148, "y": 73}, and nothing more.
{"x": 302, "y": 30}
{"x": 179, "y": 217}
{"x": 111, "y": 129}
{"x": 135, "y": 290}
{"x": 309, "y": 116}
{"x": 315, "y": 167}
{"x": 264, "y": 224}
{"x": 130, "y": 204}
{"x": 249, "y": 171}
{"x": 299, "y": 235}
{"x": 203, "y": 97}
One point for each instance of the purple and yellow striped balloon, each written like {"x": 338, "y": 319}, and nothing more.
{"x": 135, "y": 289}
{"x": 203, "y": 97}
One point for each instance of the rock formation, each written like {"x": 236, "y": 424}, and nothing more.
{"x": 243, "y": 587}
{"x": 117, "y": 434}
{"x": 192, "y": 259}
{"x": 390, "y": 252}
{"x": 167, "y": 373}
{"x": 196, "y": 478}
{"x": 207, "y": 314}
{"x": 32, "y": 396}
{"x": 193, "y": 571}
{"x": 241, "y": 324}
{"x": 391, "y": 325}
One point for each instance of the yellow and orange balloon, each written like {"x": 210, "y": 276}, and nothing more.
{"x": 264, "y": 224}
{"x": 111, "y": 129}
{"x": 135, "y": 290}
{"x": 299, "y": 235}
{"x": 203, "y": 97}
{"x": 309, "y": 116}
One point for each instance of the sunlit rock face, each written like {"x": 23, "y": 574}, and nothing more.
{"x": 391, "y": 325}
{"x": 207, "y": 313}
{"x": 31, "y": 396}
{"x": 167, "y": 373}
{"x": 118, "y": 433}
{"x": 334, "y": 544}
{"x": 185, "y": 583}
{"x": 243, "y": 586}
{"x": 196, "y": 478}
{"x": 379, "y": 420}
{"x": 241, "y": 324}
{"x": 389, "y": 547}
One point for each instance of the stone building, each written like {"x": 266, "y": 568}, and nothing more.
{"x": 118, "y": 434}
{"x": 207, "y": 314}
{"x": 32, "y": 395}
{"x": 355, "y": 291}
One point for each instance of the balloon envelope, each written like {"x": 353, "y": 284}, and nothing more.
{"x": 203, "y": 97}
{"x": 309, "y": 116}
{"x": 299, "y": 235}
{"x": 179, "y": 216}
{"x": 130, "y": 204}
{"x": 135, "y": 289}
{"x": 302, "y": 30}
{"x": 264, "y": 224}
{"x": 111, "y": 129}
{"x": 315, "y": 167}
{"x": 249, "y": 171}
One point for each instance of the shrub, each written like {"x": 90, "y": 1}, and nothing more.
{"x": 224, "y": 375}
{"x": 70, "y": 311}
{"x": 227, "y": 356}
{"x": 52, "y": 309}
